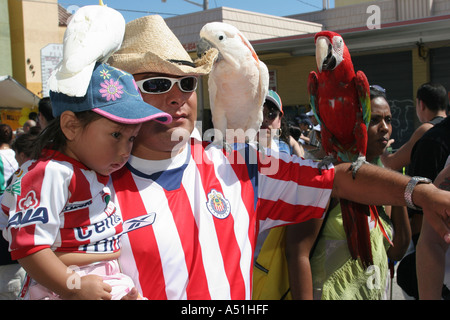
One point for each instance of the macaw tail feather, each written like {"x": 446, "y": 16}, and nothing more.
{"x": 377, "y": 219}
{"x": 356, "y": 226}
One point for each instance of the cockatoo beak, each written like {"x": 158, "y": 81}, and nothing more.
{"x": 202, "y": 46}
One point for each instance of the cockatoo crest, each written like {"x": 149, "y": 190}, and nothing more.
{"x": 94, "y": 33}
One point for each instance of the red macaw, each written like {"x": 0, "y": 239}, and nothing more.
{"x": 340, "y": 100}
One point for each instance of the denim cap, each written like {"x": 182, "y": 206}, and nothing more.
{"x": 273, "y": 97}
{"x": 112, "y": 93}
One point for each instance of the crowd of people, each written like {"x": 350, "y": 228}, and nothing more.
{"x": 16, "y": 149}
{"x": 143, "y": 215}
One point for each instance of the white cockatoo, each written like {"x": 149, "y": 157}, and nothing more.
{"x": 238, "y": 83}
{"x": 93, "y": 34}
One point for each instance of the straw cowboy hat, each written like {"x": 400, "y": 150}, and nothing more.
{"x": 150, "y": 46}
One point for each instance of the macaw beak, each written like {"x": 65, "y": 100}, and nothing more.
{"x": 324, "y": 54}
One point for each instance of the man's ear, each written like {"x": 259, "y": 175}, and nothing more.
{"x": 70, "y": 125}
{"x": 422, "y": 105}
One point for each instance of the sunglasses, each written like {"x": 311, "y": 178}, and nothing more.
{"x": 158, "y": 85}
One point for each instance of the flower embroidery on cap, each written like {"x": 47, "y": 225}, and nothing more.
{"x": 104, "y": 74}
{"x": 111, "y": 89}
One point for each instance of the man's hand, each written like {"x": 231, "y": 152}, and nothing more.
{"x": 436, "y": 208}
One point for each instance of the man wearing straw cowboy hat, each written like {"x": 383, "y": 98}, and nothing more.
{"x": 192, "y": 211}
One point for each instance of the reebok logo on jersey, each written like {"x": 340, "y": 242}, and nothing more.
{"x": 217, "y": 205}
{"x": 139, "y": 222}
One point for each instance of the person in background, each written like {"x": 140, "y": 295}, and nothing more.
{"x": 431, "y": 253}
{"x": 8, "y": 162}
{"x": 428, "y": 157}
{"x": 33, "y": 116}
{"x": 265, "y": 258}
{"x": 431, "y": 108}
{"x": 23, "y": 146}
{"x": 45, "y": 114}
{"x": 305, "y": 126}
{"x": 276, "y": 129}
{"x": 324, "y": 268}
{"x": 314, "y": 149}
{"x": 314, "y": 133}
{"x": 28, "y": 125}
{"x": 11, "y": 274}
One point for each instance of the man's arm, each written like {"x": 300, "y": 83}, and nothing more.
{"x": 402, "y": 156}
{"x": 380, "y": 186}
{"x": 431, "y": 251}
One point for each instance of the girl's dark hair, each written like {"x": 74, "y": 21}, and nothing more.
{"x": 6, "y": 133}
{"x": 45, "y": 108}
{"x": 52, "y": 136}
{"x": 25, "y": 143}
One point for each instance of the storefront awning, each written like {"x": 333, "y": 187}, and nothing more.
{"x": 14, "y": 95}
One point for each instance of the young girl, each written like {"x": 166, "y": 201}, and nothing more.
{"x": 62, "y": 227}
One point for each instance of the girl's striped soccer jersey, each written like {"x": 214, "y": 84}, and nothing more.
{"x": 62, "y": 205}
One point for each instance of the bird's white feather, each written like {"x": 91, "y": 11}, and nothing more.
{"x": 94, "y": 33}
{"x": 238, "y": 82}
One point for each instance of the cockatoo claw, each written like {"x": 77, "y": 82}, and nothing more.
{"x": 223, "y": 144}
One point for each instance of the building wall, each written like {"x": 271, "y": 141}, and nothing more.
{"x": 421, "y": 70}
{"x": 341, "y": 3}
{"x": 356, "y": 15}
{"x": 17, "y": 41}
{"x": 33, "y": 26}
{"x": 292, "y": 78}
{"x": 253, "y": 25}
{"x": 5, "y": 40}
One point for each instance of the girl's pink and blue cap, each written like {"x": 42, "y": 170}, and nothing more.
{"x": 112, "y": 93}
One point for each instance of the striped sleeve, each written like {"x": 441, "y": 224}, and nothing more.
{"x": 291, "y": 190}
{"x": 34, "y": 206}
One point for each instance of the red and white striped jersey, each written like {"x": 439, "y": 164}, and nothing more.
{"x": 191, "y": 222}
{"x": 62, "y": 205}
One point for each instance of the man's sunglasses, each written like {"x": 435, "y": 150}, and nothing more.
{"x": 158, "y": 85}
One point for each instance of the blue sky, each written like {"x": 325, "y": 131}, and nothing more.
{"x": 133, "y": 9}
